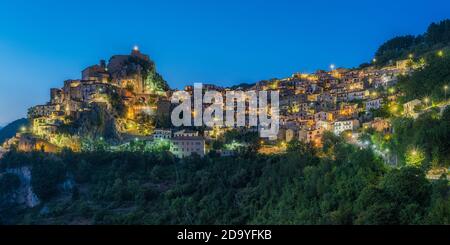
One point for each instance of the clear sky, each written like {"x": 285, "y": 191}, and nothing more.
{"x": 43, "y": 43}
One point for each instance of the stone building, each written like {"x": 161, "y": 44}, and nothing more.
{"x": 187, "y": 146}
{"x": 341, "y": 126}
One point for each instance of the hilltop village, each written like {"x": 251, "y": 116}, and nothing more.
{"x": 366, "y": 145}
{"x": 126, "y": 101}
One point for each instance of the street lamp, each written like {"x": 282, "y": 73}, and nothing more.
{"x": 394, "y": 109}
{"x": 445, "y": 91}
{"x": 332, "y": 67}
{"x": 427, "y": 100}
{"x": 391, "y": 90}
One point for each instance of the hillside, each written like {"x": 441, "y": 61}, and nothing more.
{"x": 10, "y": 130}
{"x": 435, "y": 38}
{"x": 347, "y": 186}
{"x": 335, "y": 182}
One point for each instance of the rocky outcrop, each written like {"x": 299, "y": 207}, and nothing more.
{"x": 97, "y": 122}
{"x": 25, "y": 194}
{"x": 138, "y": 72}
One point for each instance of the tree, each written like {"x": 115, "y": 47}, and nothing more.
{"x": 438, "y": 33}
{"x": 414, "y": 157}
{"x": 394, "y": 49}
{"x": 9, "y": 183}
{"x": 46, "y": 174}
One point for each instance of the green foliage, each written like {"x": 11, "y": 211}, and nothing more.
{"x": 296, "y": 146}
{"x": 438, "y": 33}
{"x": 153, "y": 81}
{"x": 250, "y": 140}
{"x": 117, "y": 103}
{"x": 8, "y": 183}
{"x": 395, "y": 48}
{"x": 9, "y": 186}
{"x": 436, "y": 37}
{"x": 414, "y": 157}
{"x": 429, "y": 135}
{"x": 401, "y": 197}
{"x": 430, "y": 81}
{"x": 47, "y": 172}
{"x": 382, "y": 112}
{"x": 343, "y": 186}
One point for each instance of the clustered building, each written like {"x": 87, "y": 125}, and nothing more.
{"x": 123, "y": 77}
{"x": 338, "y": 101}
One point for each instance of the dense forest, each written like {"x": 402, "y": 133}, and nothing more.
{"x": 345, "y": 185}
{"x": 428, "y": 136}
{"x": 436, "y": 37}
{"x": 428, "y": 81}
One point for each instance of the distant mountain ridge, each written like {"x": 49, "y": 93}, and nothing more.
{"x": 11, "y": 129}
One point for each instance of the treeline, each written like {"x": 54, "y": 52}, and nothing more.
{"x": 344, "y": 185}
{"x": 430, "y": 81}
{"x": 429, "y": 136}
{"x": 437, "y": 36}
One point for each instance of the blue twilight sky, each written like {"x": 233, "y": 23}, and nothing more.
{"x": 42, "y": 43}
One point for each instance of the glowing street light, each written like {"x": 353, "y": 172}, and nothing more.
{"x": 23, "y": 129}
{"x": 445, "y": 91}
{"x": 411, "y": 56}
{"x": 394, "y": 108}
{"x": 415, "y": 157}
{"x": 332, "y": 67}
{"x": 391, "y": 90}
{"x": 440, "y": 53}
{"x": 136, "y": 48}
{"x": 426, "y": 100}
{"x": 374, "y": 60}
